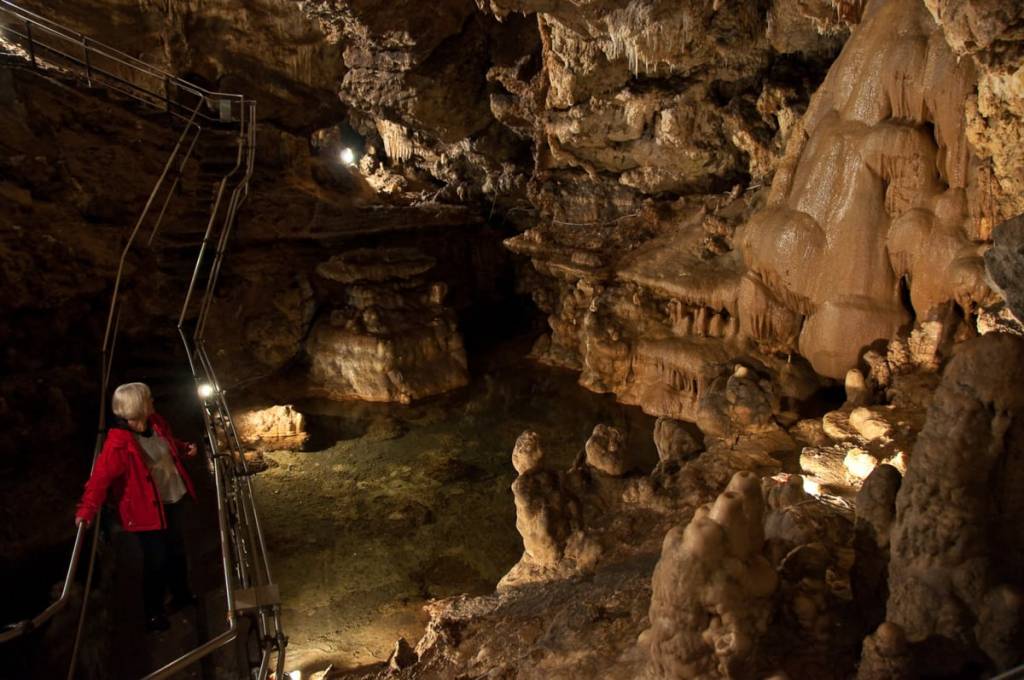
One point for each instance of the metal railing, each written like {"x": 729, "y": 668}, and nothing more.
{"x": 51, "y": 45}
{"x": 249, "y": 589}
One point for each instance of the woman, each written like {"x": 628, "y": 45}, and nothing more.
{"x": 140, "y": 467}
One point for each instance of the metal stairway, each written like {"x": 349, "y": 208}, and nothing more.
{"x": 217, "y": 133}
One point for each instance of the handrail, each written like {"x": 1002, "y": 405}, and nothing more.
{"x": 235, "y": 501}
{"x": 158, "y": 94}
{"x": 124, "y": 58}
{"x": 252, "y": 567}
{"x": 22, "y": 627}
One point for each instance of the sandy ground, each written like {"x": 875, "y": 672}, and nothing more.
{"x": 395, "y": 505}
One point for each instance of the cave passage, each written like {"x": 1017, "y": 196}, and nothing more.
{"x": 391, "y": 505}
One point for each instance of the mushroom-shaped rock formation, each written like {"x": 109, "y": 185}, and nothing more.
{"x": 390, "y": 338}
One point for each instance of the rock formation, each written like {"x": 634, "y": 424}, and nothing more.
{"x": 1004, "y": 262}
{"x": 391, "y": 338}
{"x": 271, "y": 429}
{"x": 605, "y": 451}
{"x": 955, "y": 570}
{"x": 675, "y": 441}
{"x": 547, "y": 515}
{"x": 720, "y": 209}
{"x": 711, "y": 589}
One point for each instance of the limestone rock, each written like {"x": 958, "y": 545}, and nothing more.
{"x": 711, "y": 589}
{"x": 857, "y": 392}
{"x": 998, "y": 319}
{"x": 527, "y": 453}
{"x": 886, "y": 655}
{"x": 402, "y": 656}
{"x": 605, "y": 451}
{"x": 271, "y": 429}
{"x": 1005, "y": 263}
{"x": 920, "y": 223}
{"x": 542, "y": 518}
{"x": 957, "y": 549}
{"x": 675, "y": 441}
{"x": 876, "y": 502}
{"x": 392, "y": 338}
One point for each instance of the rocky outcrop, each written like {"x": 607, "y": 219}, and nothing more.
{"x": 390, "y": 336}
{"x": 711, "y": 589}
{"x": 1004, "y": 262}
{"x": 955, "y": 570}
{"x": 990, "y": 32}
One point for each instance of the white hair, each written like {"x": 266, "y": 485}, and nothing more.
{"x": 130, "y": 399}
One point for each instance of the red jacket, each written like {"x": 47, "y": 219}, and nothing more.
{"x": 122, "y": 472}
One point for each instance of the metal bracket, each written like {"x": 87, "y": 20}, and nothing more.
{"x": 256, "y": 597}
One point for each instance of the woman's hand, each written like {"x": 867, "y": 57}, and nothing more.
{"x": 191, "y": 450}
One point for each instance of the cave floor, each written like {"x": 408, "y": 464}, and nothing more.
{"x": 395, "y": 505}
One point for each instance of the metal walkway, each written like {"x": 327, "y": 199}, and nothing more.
{"x": 217, "y": 132}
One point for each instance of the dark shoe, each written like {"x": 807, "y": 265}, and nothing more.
{"x": 157, "y": 624}
{"x": 179, "y": 602}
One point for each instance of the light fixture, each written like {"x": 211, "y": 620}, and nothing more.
{"x": 205, "y": 390}
{"x": 295, "y": 675}
{"x": 348, "y": 156}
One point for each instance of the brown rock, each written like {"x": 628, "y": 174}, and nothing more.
{"x": 956, "y": 550}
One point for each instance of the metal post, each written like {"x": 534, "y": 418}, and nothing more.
{"x": 31, "y": 44}
{"x": 88, "y": 65}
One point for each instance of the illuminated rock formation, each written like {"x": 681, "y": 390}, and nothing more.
{"x": 271, "y": 429}
{"x": 547, "y": 517}
{"x": 392, "y": 338}
{"x": 605, "y": 451}
{"x": 877, "y": 187}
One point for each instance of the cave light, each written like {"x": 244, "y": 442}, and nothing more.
{"x": 348, "y": 156}
{"x": 205, "y": 390}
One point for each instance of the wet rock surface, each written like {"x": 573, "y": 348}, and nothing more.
{"x": 779, "y": 227}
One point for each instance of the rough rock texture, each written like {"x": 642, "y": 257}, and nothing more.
{"x": 546, "y": 515}
{"x": 1004, "y": 262}
{"x": 271, "y": 429}
{"x": 711, "y": 589}
{"x": 266, "y": 49}
{"x": 955, "y": 570}
{"x": 392, "y": 339}
{"x": 990, "y": 32}
{"x": 417, "y": 87}
{"x": 886, "y": 655}
{"x": 605, "y": 452}
{"x": 675, "y": 440}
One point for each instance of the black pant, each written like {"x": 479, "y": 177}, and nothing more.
{"x": 164, "y": 566}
